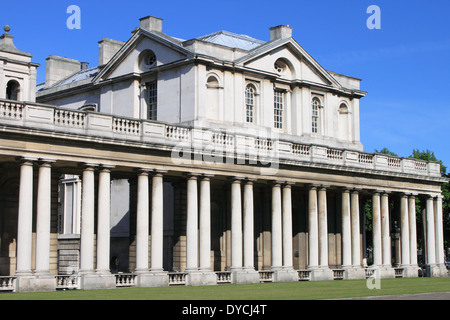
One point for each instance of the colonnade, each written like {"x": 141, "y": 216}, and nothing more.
{"x": 198, "y": 229}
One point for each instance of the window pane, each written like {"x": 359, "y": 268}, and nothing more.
{"x": 278, "y": 109}
{"x": 249, "y": 103}
{"x": 152, "y": 101}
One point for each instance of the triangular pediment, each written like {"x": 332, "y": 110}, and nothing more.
{"x": 126, "y": 60}
{"x": 301, "y": 66}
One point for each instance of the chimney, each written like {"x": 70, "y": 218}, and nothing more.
{"x": 280, "y": 32}
{"x": 84, "y": 65}
{"x": 150, "y": 23}
{"x": 107, "y": 48}
{"x": 59, "y": 68}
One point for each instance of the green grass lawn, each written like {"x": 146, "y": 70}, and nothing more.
{"x": 264, "y": 291}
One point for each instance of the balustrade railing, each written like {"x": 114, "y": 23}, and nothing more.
{"x": 223, "y": 277}
{"x": 177, "y": 133}
{"x": 304, "y": 275}
{"x": 338, "y": 274}
{"x": 66, "y": 118}
{"x": 67, "y": 282}
{"x": 85, "y": 123}
{"x": 11, "y": 110}
{"x": 398, "y": 272}
{"x": 125, "y": 279}
{"x": 265, "y": 276}
{"x": 177, "y": 278}
{"x": 7, "y": 283}
{"x": 126, "y": 126}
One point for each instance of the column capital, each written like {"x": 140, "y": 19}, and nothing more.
{"x": 88, "y": 165}
{"x": 236, "y": 179}
{"x": 142, "y": 171}
{"x": 206, "y": 176}
{"x": 250, "y": 180}
{"x": 192, "y": 175}
{"x": 313, "y": 186}
{"x": 46, "y": 160}
{"x": 26, "y": 160}
{"x": 105, "y": 167}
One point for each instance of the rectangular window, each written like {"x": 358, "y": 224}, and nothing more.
{"x": 278, "y": 109}
{"x": 249, "y": 104}
{"x": 152, "y": 112}
{"x": 70, "y": 205}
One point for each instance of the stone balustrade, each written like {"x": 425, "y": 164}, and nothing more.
{"x": 7, "y": 283}
{"x": 67, "y": 282}
{"x": 169, "y": 137}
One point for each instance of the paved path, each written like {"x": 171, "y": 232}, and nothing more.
{"x": 418, "y": 296}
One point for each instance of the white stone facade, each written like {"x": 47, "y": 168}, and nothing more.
{"x": 220, "y": 159}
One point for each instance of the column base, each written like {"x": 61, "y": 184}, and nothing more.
{"x": 244, "y": 276}
{"x": 152, "y": 279}
{"x": 435, "y": 271}
{"x": 285, "y": 275}
{"x": 410, "y": 271}
{"x": 382, "y": 272}
{"x": 93, "y": 281}
{"x": 31, "y": 283}
{"x": 354, "y": 273}
{"x": 321, "y": 274}
{"x": 201, "y": 278}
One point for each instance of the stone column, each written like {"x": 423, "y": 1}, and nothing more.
{"x": 355, "y": 271}
{"x": 205, "y": 224}
{"x": 323, "y": 272}
{"x": 313, "y": 260}
{"x": 385, "y": 232}
{"x": 192, "y": 225}
{"x": 104, "y": 218}
{"x": 346, "y": 230}
{"x": 439, "y": 230}
{"x": 376, "y": 230}
{"x": 412, "y": 230}
{"x": 323, "y": 227}
{"x": 276, "y": 231}
{"x": 87, "y": 221}
{"x": 157, "y": 215}
{"x": 287, "y": 227}
{"x": 404, "y": 231}
{"x": 236, "y": 225}
{"x": 248, "y": 226}
{"x": 25, "y": 219}
{"x": 156, "y": 277}
{"x": 431, "y": 239}
{"x": 43, "y": 220}
{"x": 248, "y": 274}
{"x": 142, "y": 222}
{"x": 356, "y": 241}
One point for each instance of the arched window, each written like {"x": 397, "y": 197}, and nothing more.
{"x": 12, "y": 90}
{"x": 250, "y": 103}
{"x": 343, "y": 121}
{"x": 278, "y": 106}
{"x": 212, "y": 97}
{"x": 315, "y": 115}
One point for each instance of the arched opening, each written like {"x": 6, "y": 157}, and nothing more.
{"x": 343, "y": 122}
{"x": 315, "y": 115}
{"x": 250, "y": 103}
{"x": 12, "y": 90}
{"x": 212, "y": 98}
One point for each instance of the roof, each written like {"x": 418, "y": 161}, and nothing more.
{"x": 232, "y": 40}
{"x": 77, "y": 77}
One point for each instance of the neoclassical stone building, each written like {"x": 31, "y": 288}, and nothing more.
{"x": 220, "y": 159}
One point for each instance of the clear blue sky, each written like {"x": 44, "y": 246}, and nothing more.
{"x": 404, "y": 66}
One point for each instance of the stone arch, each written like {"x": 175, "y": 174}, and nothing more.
{"x": 12, "y": 90}
{"x": 343, "y": 121}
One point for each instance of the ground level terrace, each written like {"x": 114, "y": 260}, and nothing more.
{"x": 90, "y": 200}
